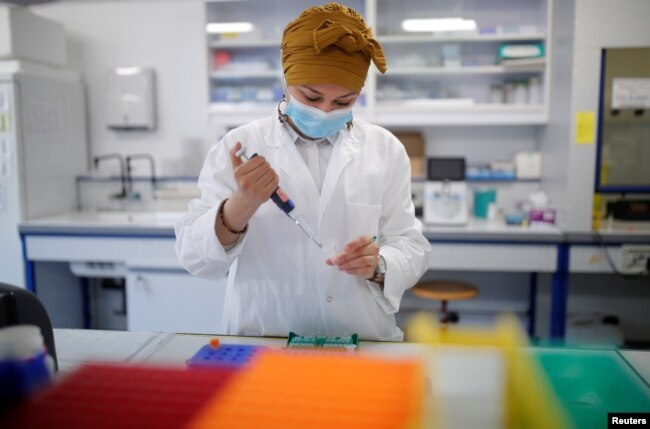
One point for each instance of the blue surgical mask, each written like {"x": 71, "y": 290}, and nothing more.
{"x": 315, "y": 123}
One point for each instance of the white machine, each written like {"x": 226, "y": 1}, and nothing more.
{"x": 43, "y": 145}
{"x": 445, "y": 192}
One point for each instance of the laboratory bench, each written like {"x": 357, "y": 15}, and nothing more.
{"x": 139, "y": 246}
{"x": 588, "y": 382}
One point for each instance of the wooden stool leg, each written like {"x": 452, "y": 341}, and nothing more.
{"x": 444, "y": 317}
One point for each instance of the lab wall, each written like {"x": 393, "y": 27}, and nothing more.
{"x": 165, "y": 35}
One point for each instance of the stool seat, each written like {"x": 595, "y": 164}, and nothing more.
{"x": 445, "y": 290}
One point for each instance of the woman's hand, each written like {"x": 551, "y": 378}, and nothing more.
{"x": 359, "y": 258}
{"x": 255, "y": 178}
{"x": 256, "y": 181}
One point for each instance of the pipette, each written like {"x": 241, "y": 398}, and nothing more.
{"x": 287, "y": 206}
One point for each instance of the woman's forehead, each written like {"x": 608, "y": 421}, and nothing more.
{"x": 328, "y": 89}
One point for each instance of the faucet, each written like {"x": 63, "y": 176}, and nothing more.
{"x": 152, "y": 164}
{"x": 97, "y": 159}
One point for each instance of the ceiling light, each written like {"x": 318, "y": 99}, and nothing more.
{"x": 228, "y": 27}
{"x": 441, "y": 24}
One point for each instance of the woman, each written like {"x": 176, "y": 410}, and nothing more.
{"x": 349, "y": 180}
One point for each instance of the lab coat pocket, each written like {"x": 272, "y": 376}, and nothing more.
{"x": 363, "y": 219}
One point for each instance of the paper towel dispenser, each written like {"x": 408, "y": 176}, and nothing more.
{"x": 131, "y": 98}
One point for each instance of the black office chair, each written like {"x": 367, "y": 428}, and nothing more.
{"x": 19, "y": 306}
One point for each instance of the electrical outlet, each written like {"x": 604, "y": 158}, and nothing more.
{"x": 634, "y": 258}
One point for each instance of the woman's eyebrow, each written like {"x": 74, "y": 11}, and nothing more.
{"x": 320, "y": 93}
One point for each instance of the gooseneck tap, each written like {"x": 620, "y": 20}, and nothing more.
{"x": 99, "y": 158}
{"x": 152, "y": 164}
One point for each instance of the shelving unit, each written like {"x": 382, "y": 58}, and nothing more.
{"x": 419, "y": 89}
{"x": 472, "y": 70}
{"x": 386, "y": 40}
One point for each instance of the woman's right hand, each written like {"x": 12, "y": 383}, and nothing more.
{"x": 256, "y": 180}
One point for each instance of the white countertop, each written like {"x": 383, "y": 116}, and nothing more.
{"x": 485, "y": 229}
{"x": 110, "y": 218}
{"x": 108, "y": 222}
{"x": 162, "y": 222}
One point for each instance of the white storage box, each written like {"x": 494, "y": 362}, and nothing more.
{"x": 26, "y": 36}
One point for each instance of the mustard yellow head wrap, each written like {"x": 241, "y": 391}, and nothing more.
{"x": 330, "y": 44}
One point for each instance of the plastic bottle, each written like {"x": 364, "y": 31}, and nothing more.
{"x": 496, "y": 94}
{"x": 534, "y": 91}
{"x": 25, "y": 365}
{"x": 521, "y": 92}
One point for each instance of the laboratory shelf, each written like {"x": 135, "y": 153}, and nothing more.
{"x": 245, "y": 74}
{"x": 439, "y": 112}
{"x": 460, "y": 38}
{"x": 463, "y": 91}
{"x": 422, "y": 179}
{"x": 400, "y": 113}
{"x": 238, "y": 113}
{"x": 236, "y": 44}
{"x": 465, "y": 70}
{"x": 395, "y": 39}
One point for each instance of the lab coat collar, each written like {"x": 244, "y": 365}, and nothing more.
{"x": 289, "y": 160}
{"x": 346, "y": 145}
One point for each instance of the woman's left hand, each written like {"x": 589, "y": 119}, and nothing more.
{"x": 359, "y": 258}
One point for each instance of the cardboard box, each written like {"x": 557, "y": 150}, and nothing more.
{"x": 413, "y": 142}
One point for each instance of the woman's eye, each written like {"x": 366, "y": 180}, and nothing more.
{"x": 312, "y": 99}
{"x": 343, "y": 104}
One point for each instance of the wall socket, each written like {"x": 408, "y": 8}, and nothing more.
{"x": 634, "y": 259}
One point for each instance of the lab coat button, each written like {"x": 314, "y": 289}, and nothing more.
{"x": 329, "y": 299}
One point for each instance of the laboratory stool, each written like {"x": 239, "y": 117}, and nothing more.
{"x": 444, "y": 291}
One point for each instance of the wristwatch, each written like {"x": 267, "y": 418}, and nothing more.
{"x": 380, "y": 271}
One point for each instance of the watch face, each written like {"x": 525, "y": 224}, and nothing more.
{"x": 381, "y": 264}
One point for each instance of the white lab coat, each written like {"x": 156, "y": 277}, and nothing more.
{"x": 277, "y": 278}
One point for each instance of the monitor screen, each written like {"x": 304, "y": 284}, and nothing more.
{"x": 441, "y": 169}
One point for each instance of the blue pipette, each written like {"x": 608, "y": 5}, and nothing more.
{"x": 287, "y": 206}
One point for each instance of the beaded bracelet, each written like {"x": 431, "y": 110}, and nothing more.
{"x": 223, "y": 220}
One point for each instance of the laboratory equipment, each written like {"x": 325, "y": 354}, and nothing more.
{"x": 542, "y": 216}
{"x": 445, "y": 192}
{"x": 323, "y": 342}
{"x": 21, "y": 307}
{"x": 43, "y": 147}
{"x": 145, "y": 396}
{"x": 483, "y": 198}
{"x": 528, "y": 165}
{"x": 288, "y": 207}
{"x": 224, "y": 355}
{"x": 302, "y": 389}
{"x": 622, "y": 128}
{"x": 25, "y": 365}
